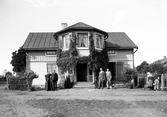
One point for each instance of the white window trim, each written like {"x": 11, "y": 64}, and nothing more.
{"x": 50, "y": 55}
{"x": 88, "y": 39}
{"x": 51, "y": 63}
{"x": 101, "y": 43}
{"x": 64, "y": 44}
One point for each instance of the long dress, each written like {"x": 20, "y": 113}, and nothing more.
{"x": 48, "y": 84}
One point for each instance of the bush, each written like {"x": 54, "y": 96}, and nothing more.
{"x": 141, "y": 83}
{"x": 129, "y": 85}
{"x": 16, "y": 83}
{"x": 21, "y": 82}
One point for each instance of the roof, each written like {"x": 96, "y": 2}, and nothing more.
{"x": 40, "y": 41}
{"x": 46, "y": 41}
{"x": 80, "y": 26}
{"x": 119, "y": 40}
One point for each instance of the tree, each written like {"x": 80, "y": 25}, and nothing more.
{"x": 157, "y": 67}
{"x": 19, "y": 60}
{"x": 143, "y": 67}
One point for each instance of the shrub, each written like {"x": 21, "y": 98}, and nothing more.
{"x": 30, "y": 76}
{"x": 21, "y": 83}
{"x": 16, "y": 83}
{"x": 141, "y": 80}
{"x": 129, "y": 85}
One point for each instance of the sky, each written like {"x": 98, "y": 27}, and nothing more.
{"x": 144, "y": 21}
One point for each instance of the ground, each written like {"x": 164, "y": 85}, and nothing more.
{"x": 83, "y": 102}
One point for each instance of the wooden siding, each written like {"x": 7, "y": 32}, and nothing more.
{"x": 40, "y": 56}
{"x": 121, "y": 55}
{"x": 41, "y": 70}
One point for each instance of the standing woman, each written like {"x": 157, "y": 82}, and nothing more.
{"x": 48, "y": 82}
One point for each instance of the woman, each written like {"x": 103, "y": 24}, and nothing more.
{"x": 48, "y": 84}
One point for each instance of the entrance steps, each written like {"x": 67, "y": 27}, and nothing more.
{"x": 84, "y": 85}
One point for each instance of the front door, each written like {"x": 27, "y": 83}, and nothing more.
{"x": 112, "y": 68}
{"x": 81, "y": 72}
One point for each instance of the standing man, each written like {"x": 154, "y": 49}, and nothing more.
{"x": 101, "y": 78}
{"x": 54, "y": 79}
{"x": 109, "y": 77}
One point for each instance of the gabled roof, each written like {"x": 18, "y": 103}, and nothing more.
{"x": 119, "y": 40}
{"x": 80, "y": 26}
{"x": 40, "y": 41}
{"x": 46, "y": 41}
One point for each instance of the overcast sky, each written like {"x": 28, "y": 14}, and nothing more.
{"x": 144, "y": 21}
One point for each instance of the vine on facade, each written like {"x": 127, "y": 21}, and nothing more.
{"x": 70, "y": 58}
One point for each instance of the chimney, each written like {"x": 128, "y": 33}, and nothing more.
{"x": 63, "y": 25}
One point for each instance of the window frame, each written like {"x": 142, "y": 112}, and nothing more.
{"x": 102, "y": 41}
{"x": 87, "y": 40}
{"x": 64, "y": 47}
{"x": 110, "y": 53}
{"x": 51, "y": 67}
{"x": 51, "y": 54}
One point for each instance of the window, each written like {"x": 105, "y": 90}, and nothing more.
{"x": 65, "y": 42}
{"x": 51, "y": 67}
{"x": 112, "y": 52}
{"x": 50, "y": 52}
{"x": 99, "y": 42}
{"x": 82, "y": 40}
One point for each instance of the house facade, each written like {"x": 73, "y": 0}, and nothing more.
{"x": 42, "y": 51}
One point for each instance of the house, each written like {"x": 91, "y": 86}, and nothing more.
{"x": 43, "y": 48}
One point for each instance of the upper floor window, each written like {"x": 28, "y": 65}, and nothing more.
{"x": 99, "y": 41}
{"x": 50, "y": 52}
{"x": 82, "y": 39}
{"x": 65, "y": 42}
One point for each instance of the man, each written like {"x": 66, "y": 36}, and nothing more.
{"x": 54, "y": 79}
{"x": 156, "y": 84}
{"x": 109, "y": 77}
{"x": 101, "y": 78}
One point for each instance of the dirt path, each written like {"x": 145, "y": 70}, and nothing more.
{"x": 14, "y": 104}
{"x": 83, "y": 102}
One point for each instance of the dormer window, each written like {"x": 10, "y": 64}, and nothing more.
{"x": 82, "y": 40}
{"x": 99, "y": 41}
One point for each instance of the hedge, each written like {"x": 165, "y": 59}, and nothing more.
{"x": 16, "y": 83}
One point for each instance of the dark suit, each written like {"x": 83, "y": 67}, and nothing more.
{"x": 54, "y": 79}
{"x": 101, "y": 79}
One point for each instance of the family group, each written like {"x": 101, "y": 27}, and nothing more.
{"x": 51, "y": 81}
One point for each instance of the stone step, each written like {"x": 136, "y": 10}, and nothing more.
{"x": 84, "y": 85}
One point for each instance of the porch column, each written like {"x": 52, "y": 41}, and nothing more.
{"x": 116, "y": 72}
{"x": 93, "y": 78}
{"x": 162, "y": 82}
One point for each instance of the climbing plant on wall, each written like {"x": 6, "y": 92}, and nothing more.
{"x": 68, "y": 59}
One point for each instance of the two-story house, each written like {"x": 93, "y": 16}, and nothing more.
{"x": 42, "y": 51}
